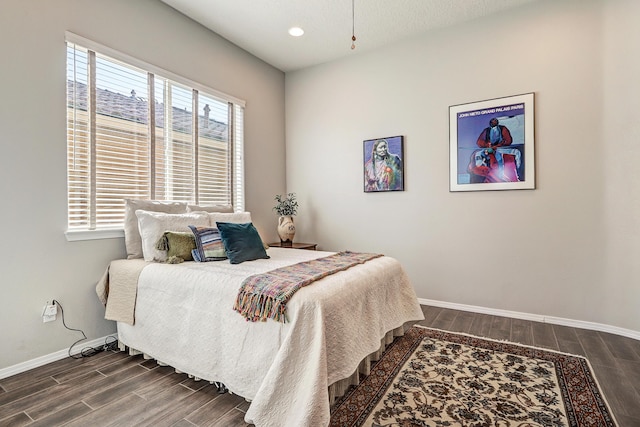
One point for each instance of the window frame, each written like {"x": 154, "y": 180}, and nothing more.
{"x": 235, "y": 129}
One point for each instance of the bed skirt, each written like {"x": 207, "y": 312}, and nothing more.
{"x": 336, "y": 390}
{"x": 339, "y": 388}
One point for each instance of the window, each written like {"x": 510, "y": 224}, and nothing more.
{"x": 136, "y": 131}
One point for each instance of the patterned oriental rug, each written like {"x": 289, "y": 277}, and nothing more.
{"x": 430, "y": 377}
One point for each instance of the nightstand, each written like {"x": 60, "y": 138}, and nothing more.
{"x": 295, "y": 245}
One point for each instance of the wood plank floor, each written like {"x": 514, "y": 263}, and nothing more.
{"x": 114, "y": 389}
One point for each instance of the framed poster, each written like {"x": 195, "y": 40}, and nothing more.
{"x": 491, "y": 144}
{"x": 384, "y": 164}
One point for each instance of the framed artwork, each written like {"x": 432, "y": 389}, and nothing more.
{"x": 384, "y": 164}
{"x": 491, "y": 144}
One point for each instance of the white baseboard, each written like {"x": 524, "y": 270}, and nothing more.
{"x": 535, "y": 317}
{"x": 43, "y": 360}
{"x": 48, "y": 358}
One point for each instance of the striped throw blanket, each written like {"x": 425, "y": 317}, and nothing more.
{"x": 265, "y": 296}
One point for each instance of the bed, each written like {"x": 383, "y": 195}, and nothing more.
{"x": 290, "y": 371}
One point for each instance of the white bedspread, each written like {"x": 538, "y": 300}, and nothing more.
{"x": 184, "y": 318}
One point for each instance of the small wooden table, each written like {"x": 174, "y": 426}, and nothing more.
{"x": 295, "y": 245}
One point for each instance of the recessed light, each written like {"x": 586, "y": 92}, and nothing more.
{"x": 296, "y": 31}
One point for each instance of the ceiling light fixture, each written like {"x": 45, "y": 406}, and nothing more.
{"x": 296, "y": 31}
{"x": 353, "y": 25}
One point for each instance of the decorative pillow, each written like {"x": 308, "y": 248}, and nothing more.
{"x": 153, "y": 224}
{"x": 241, "y": 242}
{"x": 196, "y": 255}
{"x": 209, "y": 246}
{"x": 214, "y": 208}
{"x": 132, "y": 239}
{"x": 177, "y": 244}
{"x": 233, "y": 217}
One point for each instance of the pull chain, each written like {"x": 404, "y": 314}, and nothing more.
{"x": 353, "y": 25}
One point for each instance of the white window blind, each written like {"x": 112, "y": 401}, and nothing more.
{"x": 135, "y": 131}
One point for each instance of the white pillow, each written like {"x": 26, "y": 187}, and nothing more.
{"x": 214, "y": 208}
{"x": 233, "y": 217}
{"x": 153, "y": 224}
{"x": 132, "y": 239}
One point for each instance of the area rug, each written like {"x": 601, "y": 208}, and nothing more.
{"x": 430, "y": 377}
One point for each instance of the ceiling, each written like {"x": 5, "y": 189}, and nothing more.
{"x": 260, "y": 26}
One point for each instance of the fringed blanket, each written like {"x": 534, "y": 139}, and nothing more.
{"x": 265, "y": 296}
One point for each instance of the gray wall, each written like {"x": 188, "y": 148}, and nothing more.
{"x": 36, "y": 262}
{"x": 568, "y": 249}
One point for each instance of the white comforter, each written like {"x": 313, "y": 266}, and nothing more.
{"x": 184, "y": 318}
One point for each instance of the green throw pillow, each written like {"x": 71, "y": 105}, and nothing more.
{"x": 177, "y": 244}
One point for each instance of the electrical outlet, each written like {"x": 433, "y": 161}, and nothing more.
{"x": 49, "y": 313}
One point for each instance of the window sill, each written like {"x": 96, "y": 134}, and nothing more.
{"x": 77, "y": 235}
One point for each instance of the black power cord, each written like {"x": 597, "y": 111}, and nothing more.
{"x": 110, "y": 343}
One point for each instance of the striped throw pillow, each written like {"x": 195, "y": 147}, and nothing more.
{"x": 209, "y": 246}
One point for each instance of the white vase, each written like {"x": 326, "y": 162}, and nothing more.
{"x": 286, "y": 230}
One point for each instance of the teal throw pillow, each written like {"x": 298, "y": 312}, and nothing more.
{"x": 241, "y": 242}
